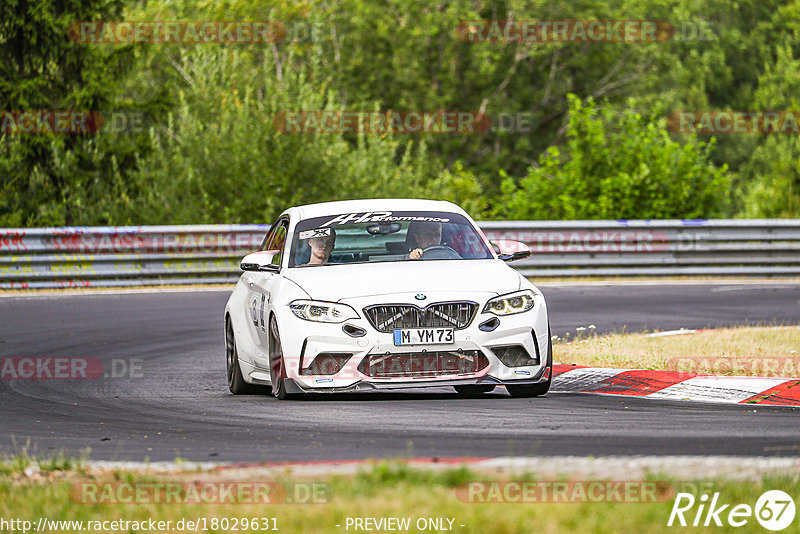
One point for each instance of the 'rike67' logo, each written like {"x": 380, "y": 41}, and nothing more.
{"x": 774, "y": 510}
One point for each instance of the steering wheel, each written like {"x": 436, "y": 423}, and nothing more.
{"x": 439, "y": 252}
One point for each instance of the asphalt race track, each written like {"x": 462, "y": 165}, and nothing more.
{"x": 177, "y": 402}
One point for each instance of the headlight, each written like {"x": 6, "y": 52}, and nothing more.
{"x": 518, "y": 302}
{"x": 322, "y": 312}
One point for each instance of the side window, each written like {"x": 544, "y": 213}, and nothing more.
{"x": 267, "y": 239}
{"x": 270, "y": 243}
{"x": 278, "y": 241}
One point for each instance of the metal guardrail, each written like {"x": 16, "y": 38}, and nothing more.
{"x": 174, "y": 255}
{"x": 722, "y": 247}
{"x": 125, "y": 255}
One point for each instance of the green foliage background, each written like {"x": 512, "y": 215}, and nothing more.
{"x": 598, "y": 145}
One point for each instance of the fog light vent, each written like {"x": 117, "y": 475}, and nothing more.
{"x": 326, "y": 363}
{"x": 514, "y": 356}
{"x": 354, "y": 331}
{"x": 490, "y": 325}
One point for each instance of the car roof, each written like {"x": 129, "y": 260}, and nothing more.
{"x": 322, "y": 209}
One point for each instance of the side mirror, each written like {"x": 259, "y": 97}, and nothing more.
{"x": 511, "y": 250}
{"x": 266, "y": 260}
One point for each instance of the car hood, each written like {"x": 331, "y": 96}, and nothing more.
{"x": 336, "y": 282}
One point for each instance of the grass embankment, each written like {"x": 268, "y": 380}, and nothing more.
{"x": 744, "y": 351}
{"x": 382, "y": 491}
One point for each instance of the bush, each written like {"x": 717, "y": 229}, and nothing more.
{"x": 617, "y": 164}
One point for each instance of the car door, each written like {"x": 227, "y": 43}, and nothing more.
{"x": 260, "y": 284}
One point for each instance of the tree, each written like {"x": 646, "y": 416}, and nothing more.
{"x": 49, "y": 177}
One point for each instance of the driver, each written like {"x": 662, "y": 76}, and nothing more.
{"x": 422, "y": 235}
{"x": 321, "y": 248}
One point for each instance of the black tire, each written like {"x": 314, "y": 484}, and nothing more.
{"x": 536, "y": 390}
{"x": 277, "y": 370}
{"x": 474, "y": 389}
{"x": 236, "y": 382}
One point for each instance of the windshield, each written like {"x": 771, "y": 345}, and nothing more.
{"x": 386, "y": 236}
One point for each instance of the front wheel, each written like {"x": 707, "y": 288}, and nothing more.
{"x": 276, "y": 364}
{"x": 236, "y": 383}
{"x": 536, "y": 390}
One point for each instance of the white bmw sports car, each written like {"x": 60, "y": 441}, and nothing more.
{"x": 385, "y": 294}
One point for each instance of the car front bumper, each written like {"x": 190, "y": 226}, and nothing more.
{"x": 302, "y": 341}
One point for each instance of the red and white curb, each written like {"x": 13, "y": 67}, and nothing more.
{"x": 677, "y": 386}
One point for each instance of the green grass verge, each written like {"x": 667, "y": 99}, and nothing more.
{"x": 382, "y": 491}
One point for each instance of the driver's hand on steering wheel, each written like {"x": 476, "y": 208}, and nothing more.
{"x": 415, "y": 254}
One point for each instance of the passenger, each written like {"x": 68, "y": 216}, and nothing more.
{"x": 321, "y": 248}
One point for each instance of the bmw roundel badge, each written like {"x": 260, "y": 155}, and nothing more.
{"x": 420, "y": 296}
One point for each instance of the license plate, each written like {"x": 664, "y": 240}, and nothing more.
{"x": 423, "y": 336}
